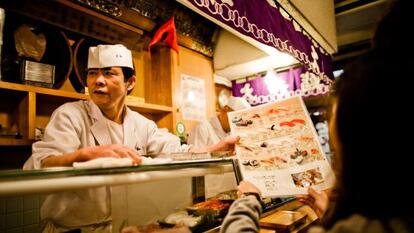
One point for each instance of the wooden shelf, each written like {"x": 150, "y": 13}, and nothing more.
{"x": 41, "y": 90}
{"x": 14, "y": 86}
{"x": 139, "y": 107}
{"x": 59, "y": 93}
{"x": 150, "y": 108}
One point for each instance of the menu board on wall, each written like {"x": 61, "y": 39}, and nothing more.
{"x": 279, "y": 151}
{"x": 193, "y": 98}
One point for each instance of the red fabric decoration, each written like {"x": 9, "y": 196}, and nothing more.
{"x": 170, "y": 39}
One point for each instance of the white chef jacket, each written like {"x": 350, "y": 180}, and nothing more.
{"x": 207, "y": 133}
{"x": 81, "y": 124}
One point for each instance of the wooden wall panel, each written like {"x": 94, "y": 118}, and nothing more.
{"x": 158, "y": 85}
{"x": 142, "y": 69}
{"x": 200, "y": 66}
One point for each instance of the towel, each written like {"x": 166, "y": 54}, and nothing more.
{"x": 107, "y": 162}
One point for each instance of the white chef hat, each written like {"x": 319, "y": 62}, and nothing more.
{"x": 237, "y": 103}
{"x": 103, "y": 56}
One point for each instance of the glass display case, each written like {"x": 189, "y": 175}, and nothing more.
{"x": 144, "y": 195}
{"x": 140, "y": 195}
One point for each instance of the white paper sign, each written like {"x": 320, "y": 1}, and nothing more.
{"x": 193, "y": 98}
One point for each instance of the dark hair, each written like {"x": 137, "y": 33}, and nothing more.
{"x": 128, "y": 73}
{"x": 391, "y": 33}
{"x": 373, "y": 155}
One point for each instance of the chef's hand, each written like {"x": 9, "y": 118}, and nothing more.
{"x": 226, "y": 144}
{"x": 89, "y": 153}
{"x": 115, "y": 151}
{"x": 318, "y": 200}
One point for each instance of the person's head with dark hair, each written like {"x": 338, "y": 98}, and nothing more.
{"x": 370, "y": 110}
{"x": 111, "y": 76}
{"x": 392, "y": 33}
{"x": 370, "y": 150}
{"x": 370, "y": 129}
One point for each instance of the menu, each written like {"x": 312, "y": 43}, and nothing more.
{"x": 279, "y": 151}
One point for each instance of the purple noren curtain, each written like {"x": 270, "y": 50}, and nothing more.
{"x": 295, "y": 81}
{"x": 266, "y": 22}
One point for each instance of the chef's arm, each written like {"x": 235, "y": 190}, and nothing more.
{"x": 223, "y": 145}
{"x": 65, "y": 160}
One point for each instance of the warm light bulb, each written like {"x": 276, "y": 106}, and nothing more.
{"x": 275, "y": 85}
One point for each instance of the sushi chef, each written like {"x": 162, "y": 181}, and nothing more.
{"x": 100, "y": 127}
{"x": 216, "y": 128}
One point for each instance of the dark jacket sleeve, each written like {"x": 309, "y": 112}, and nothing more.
{"x": 243, "y": 216}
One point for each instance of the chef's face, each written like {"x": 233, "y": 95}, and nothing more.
{"x": 108, "y": 88}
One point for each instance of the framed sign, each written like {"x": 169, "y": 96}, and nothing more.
{"x": 193, "y": 98}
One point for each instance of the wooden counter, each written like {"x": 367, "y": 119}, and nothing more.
{"x": 311, "y": 217}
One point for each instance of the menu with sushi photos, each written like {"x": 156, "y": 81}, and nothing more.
{"x": 279, "y": 151}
